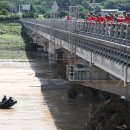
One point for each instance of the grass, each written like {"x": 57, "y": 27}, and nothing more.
{"x": 12, "y": 45}
{"x": 12, "y": 40}
{"x": 6, "y": 54}
{"x": 10, "y": 28}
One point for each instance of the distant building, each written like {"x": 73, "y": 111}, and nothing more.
{"x": 108, "y": 11}
{"x": 26, "y": 7}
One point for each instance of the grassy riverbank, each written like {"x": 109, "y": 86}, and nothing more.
{"x": 12, "y": 45}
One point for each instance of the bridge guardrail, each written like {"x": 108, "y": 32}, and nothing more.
{"x": 108, "y": 31}
{"x": 119, "y": 52}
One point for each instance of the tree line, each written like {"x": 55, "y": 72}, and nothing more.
{"x": 44, "y": 7}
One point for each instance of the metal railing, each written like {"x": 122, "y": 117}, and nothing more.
{"x": 75, "y": 73}
{"x": 114, "y": 32}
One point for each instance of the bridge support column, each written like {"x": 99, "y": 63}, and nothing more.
{"x": 91, "y": 55}
{"x": 46, "y": 46}
{"x": 126, "y": 84}
{"x": 125, "y": 76}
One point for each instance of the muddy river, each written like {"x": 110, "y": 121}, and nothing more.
{"x": 42, "y": 98}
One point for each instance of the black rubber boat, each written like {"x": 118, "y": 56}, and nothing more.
{"x": 7, "y": 104}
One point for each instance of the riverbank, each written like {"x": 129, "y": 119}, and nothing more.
{"x": 13, "y": 43}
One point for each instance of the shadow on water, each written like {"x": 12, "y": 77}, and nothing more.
{"x": 67, "y": 114}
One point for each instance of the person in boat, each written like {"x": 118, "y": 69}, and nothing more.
{"x": 10, "y": 100}
{"x": 4, "y": 98}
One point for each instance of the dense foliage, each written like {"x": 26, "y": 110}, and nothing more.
{"x": 44, "y": 7}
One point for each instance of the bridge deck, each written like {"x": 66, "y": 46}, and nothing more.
{"x": 105, "y": 45}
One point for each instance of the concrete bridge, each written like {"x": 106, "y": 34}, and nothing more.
{"x": 97, "y": 54}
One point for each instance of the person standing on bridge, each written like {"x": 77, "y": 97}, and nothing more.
{"x": 127, "y": 18}
{"x": 110, "y": 18}
{"x": 101, "y": 19}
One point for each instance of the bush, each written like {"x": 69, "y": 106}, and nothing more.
{"x": 46, "y": 15}
{"x": 30, "y": 14}
{"x": 9, "y": 17}
{"x": 3, "y": 12}
{"x": 62, "y": 13}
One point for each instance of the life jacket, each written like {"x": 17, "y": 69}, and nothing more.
{"x": 69, "y": 17}
{"x": 93, "y": 18}
{"x": 90, "y": 18}
{"x": 109, "y": 19}
{"x": 121, "y": 19}
{"x": 127, "y": 19}
{"x": 101, "y": 19}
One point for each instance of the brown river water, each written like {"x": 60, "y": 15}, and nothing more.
{"x": 42, "y": 98}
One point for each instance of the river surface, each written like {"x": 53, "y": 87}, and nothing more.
{"x": 42, "y": 98}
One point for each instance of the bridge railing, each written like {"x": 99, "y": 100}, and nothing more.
{"x": 121, "y": 54}
{"x": 79, "y": 72}
{"x": 113, "y": 32}
{"x": 73, "y": 74}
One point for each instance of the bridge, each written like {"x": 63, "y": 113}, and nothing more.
{"x": 97, "y": 54}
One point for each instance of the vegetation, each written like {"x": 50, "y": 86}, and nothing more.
{"x": 44, "y": 7}
{"x": 110, "y": 115}
{"x": 12, "y": 45}
{"x": 15, "y": 44}
{"x": 10, "y": 28}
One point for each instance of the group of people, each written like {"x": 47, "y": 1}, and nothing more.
{"x": 5, "y": 99}
{"x": 68, "y": 18}
{"x": 7, "y": 102}
{"x": 125, "y": 18}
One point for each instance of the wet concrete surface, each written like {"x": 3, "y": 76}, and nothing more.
{"x": 42, "y": 98}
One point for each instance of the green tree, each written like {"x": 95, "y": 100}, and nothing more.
{"x": 3, "y": 12}
{"x": 82, "y": 15}
{"x": 44, "y": 6}
{"x": 110, "y": 4}
{"x": 62, "y": 13}
{"x": 97, "y": 9}
{"x": 5, "y": 5}
{"x": 85, "y": 5}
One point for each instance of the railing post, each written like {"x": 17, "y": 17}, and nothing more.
{"x": 91, "y": 58}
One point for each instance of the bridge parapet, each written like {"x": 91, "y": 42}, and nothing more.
{"x": 109, "y": 53}
{"x": 117, "y": 50}
{"x": 115, "y": 30}
{"x": 118, "y": 33}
